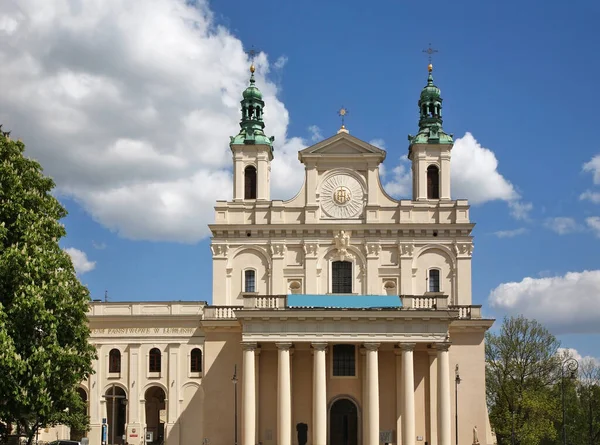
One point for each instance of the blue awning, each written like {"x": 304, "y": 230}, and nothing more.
{"x": 344, "y": 301}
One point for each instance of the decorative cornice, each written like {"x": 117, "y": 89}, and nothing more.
{"x": 463, "y": 249}
{"x": 278, "y": 250}
{"x": 310, "y": 249}
{"x": 219, "y": 250}
{"x": 372, "y": 249}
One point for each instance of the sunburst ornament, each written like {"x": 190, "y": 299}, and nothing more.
{"x": 343, "y": 112}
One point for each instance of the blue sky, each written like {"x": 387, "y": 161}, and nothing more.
{"x": 129, "y": 107}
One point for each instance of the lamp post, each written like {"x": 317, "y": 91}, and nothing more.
{"x": 570, "y": 365}
{"x": 234, "y": 380}
{"x": 456, "y": 383}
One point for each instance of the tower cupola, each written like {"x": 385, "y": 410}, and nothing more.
{"x": 252, "y": 124}
{"x": 430, "y": 115}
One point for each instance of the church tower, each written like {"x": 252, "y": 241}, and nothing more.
{"x": 429, "y": 150}
{"x": 252, "y": 150}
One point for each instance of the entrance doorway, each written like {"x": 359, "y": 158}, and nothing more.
{"x": 155, "y": 414}
{"x": 116, "y": 412}
{"x": 343, "y": 423}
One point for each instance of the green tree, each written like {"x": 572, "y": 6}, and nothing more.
{"x": 521, "y": 363}
{"x": 44, "y": 349}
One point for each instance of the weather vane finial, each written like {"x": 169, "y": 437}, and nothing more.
{"x": 252, "y": 53}
{"x": 430, "y": 51}
{"x": 343, "y": 112}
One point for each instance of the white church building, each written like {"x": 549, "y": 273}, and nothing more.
{"x": 340, "y": 317}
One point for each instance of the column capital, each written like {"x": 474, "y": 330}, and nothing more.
{"x": 285, "y": 346}
{"x": 443, "y": 346}
{"x": 407, "y": 346}
{"x": 319, "y": 346}
{"x": 371, "y": 346}
{"x": 249, "y": 346}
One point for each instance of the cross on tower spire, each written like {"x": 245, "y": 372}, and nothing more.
{"x": 430, "y": 51}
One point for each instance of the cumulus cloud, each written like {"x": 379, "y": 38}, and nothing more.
{"x": 129, "y": 107}
{"x": 80, "y": 260}
{"x": 280, "y": 62}
{"x": 474, "y": 176}
{"x": 316, "y": 134}
{"x": 593, "y": 166}
{"x": 379, "y": 143}
{"x": 593, "y": 223}
{"x": 589, "y": 195}
{"x": 511, "y": 233}
{"x": 566, "y": 304}
{"x": 400, "y": 183}
{"x": 562, "y": 225}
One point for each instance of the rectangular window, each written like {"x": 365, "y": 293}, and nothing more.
{"x": 249, "y": 281}
{"x": 344, "y": 361}
{"x": 434, "y": 280}
{"x": 341, "y": 277}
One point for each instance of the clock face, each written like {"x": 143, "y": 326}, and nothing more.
{"x": 342, "y": 197}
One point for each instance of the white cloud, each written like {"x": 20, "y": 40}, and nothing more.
{"x": 511, "y": 233}
{"x": 593, "y": 222}
{"x": 80, "y": 260}
{"x": 593, "y": 166}
{"x": 590, "y": 196}
{"x": 129, "y": 107}
{"x": 379, "y": 143}
{"x": 566, "y": 304}
{"x": 400, "y": 184}
{"x": 562, "y": 225}
{"x": 474, "y": 176}
{"x": 316, "y": 134}
{"x": 280, "y": 62}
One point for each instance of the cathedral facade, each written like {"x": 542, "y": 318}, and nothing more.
{"x": 340, "y": 317}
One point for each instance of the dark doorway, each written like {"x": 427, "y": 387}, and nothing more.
{"x": 156, "y": 414}
{"x": 116, "y": 412}
{"x": 343, "y": 423}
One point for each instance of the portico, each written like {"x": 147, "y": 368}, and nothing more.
{"x": 377, "y": 336}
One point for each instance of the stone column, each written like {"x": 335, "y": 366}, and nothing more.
{"x": 249, "y": 396}
{"x": 399, "y": 398}
{"x": 284, "y": 395}
{"x": 373, "y": 393}
{"x": 319, "y": 426}
{"x": 443, "y": 375}
{"x": 433, "y": 405}
{"x": 408, "y": 388}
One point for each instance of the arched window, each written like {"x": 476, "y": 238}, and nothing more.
{"x": 433, "y": 182}
{"x": 196, "y": 360}
{"x": 344, "y": 361}
{"x": 249, "y": 281}
{"x": 434, "y": 280}
{"x": 114, "y": 360}
{"x": 250, "y": 182}
{"x": 341, "y": 277}
{"x": 154, "y": 363}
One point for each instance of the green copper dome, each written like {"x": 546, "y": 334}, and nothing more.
{"x": 252, "y": 125}
{"x": 430, "y": 116}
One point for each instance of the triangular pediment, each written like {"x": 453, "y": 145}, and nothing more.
{"x": 342, "y": 145}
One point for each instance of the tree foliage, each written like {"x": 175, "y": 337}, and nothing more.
{"x": 44, "y": 349}
{"x": 521, "y": 364}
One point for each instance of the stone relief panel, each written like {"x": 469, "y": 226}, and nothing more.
{"x": 342, "y": 197}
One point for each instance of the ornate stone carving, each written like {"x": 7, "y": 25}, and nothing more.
{"x": 407, "y": 249}
{"x": 463, "y": 249}
{"x": 342, "y": 197}
{"x": 219, "y": 250}
{"x": 373, "y": 249}
{"x": 310, "y": 249}
{"x": 342, "y": 242}
{"x": 278, "y": 250}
